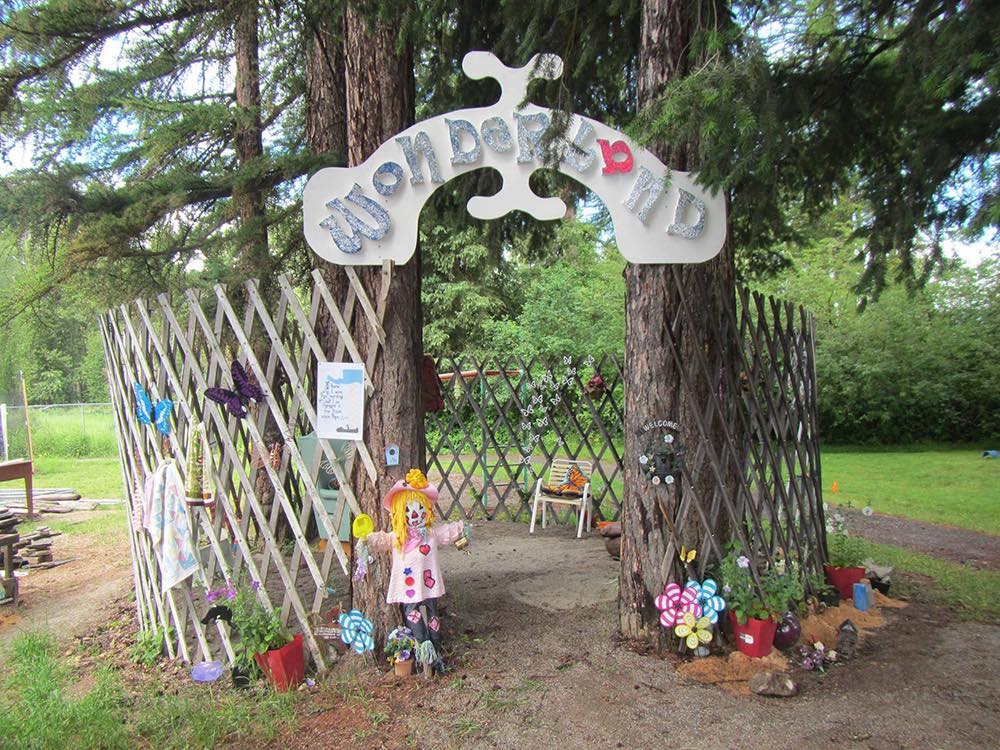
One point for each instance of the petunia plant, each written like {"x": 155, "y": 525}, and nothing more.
{"x": 778, "y": 591}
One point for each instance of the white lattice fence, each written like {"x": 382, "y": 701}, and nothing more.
{"x": 176, "y": 349}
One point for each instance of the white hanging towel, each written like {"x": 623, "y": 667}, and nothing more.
{"x": 165, "y": 518}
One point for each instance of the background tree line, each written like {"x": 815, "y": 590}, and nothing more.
{"x": 169, "y": 140}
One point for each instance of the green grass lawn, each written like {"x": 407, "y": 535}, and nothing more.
{"x": 944, "y": 484}
{"x": 968, "y": 591}
{"x": 91, "y": 477}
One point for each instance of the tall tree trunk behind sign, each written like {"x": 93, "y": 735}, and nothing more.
{"x": 249, "y": 199}
{"x": 655, "y": 388}
{"x": 253, "y": 258}
{"x": 379, "y": 95}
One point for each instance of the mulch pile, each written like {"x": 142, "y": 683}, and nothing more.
{"x": 733, "y": 671}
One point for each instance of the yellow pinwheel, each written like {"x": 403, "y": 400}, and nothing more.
{"x": 694, "y": 631}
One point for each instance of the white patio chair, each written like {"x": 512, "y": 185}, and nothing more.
{"x": 557, "y": 475}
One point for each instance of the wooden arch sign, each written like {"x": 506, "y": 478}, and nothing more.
{"x": 368, "y": 214}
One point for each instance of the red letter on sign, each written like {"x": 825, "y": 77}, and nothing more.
{"x": 609, "y": 151}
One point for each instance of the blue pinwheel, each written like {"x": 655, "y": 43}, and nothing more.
{"x": 356, "y": 631}
{"x": 711, "y": 603}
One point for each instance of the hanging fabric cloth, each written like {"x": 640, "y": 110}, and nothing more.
{"x": 198, "y": 487}
{"x": 166, "y": 520}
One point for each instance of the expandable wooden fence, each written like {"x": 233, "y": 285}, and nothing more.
{"x": 502, "y": 424}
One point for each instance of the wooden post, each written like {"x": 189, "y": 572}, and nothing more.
{"x": 27, "y": 424}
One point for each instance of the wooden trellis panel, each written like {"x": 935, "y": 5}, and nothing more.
{"x": 267, "y": 501}
{"x": 504, "y": 422}
{"x": 764, "y": 475}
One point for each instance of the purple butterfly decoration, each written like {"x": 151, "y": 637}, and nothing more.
{"x": 236, "y": 401}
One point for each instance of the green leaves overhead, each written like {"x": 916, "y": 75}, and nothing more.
{"x": 897, "y": 98}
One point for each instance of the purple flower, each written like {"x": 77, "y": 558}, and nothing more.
{"x": 743, "y": 561}
{"x": 403, "y": 655}
{"x": 211, "y": 596}
{"x": 231, "y": 592}
{"x": 255, "y": 585}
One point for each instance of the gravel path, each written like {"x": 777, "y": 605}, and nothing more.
{"x": 946, "y": 542}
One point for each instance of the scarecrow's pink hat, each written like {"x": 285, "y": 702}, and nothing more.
{"x": 414, "y": 481}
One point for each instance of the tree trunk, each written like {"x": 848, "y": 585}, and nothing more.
{"x": 655, "y": 385}
{"x": 379, "y": 96}
{"x": 253, "y": 256}
{"x": 326, "y": 134}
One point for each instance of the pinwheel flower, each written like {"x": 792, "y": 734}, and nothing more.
{"x": 695, "y": 630}
{"x": 675, "y": 602}
{"x": 356, "y": 631}
{"x": 711, "y": 603}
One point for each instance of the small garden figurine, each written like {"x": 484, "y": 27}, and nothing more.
{"x": 416, "y": 582}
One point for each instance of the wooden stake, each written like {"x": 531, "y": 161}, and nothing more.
{"x": 27, "y": 423}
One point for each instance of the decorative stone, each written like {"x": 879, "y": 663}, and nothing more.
{"x": 774, "y": 684}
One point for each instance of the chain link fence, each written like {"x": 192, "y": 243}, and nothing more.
{"x": 83, "y": 430}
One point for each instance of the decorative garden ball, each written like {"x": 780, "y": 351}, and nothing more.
{"x": 789, "y": 631}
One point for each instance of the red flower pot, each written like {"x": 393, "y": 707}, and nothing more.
{"x": 283, "y": 667}
{"x": 843, "y": 579}
{"x": 756, "y": 637}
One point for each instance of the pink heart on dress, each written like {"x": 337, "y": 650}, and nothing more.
{"x": 410, "y": 593}
{"x": 429, "y": 579}
{"x": 425, "y": 549}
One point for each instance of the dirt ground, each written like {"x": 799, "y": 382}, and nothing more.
{"x": 530, "y": 626}
{"x": 77, "y": 596}
{"x": 532, "y": 622}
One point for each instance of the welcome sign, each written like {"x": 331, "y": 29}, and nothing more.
{"x": 368, "y": 214}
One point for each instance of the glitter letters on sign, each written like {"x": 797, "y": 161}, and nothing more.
{"x": 366, "y": 214}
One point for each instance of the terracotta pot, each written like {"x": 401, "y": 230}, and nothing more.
{"x": 843, "y": 579}
{"x": 756, "y": 637}
{"x": 404, "y": 668}
{"x": 283, "y": 667}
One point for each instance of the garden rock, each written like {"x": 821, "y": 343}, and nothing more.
{"x": 776, "y": 684}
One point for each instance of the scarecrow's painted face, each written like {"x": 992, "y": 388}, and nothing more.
{"x": 416, "y": 514}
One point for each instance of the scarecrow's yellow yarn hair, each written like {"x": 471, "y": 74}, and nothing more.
{"x": 399, "y": 502}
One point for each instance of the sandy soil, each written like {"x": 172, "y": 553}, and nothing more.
{"x": 77, "y": 596}
{"x": 946, "y": 542}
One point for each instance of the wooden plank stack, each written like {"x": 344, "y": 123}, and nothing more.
{"x": 30, "y": 551}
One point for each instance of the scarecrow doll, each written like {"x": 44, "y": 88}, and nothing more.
{"x": 416, "y": 582}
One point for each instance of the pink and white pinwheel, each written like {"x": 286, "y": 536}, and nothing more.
{"x": 707, "y": 596}
{"x": 674, "y": 602}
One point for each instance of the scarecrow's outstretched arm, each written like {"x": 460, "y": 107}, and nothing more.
{"x": 448, "y": 533}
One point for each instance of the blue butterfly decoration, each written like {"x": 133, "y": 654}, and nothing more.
{"x": 149, "y": 414}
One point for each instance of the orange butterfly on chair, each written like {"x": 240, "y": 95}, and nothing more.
{"x": 572, "y": 486}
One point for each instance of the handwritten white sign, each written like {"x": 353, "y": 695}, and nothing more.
{"x": 340, "y": 400}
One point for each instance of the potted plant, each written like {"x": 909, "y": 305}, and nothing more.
{"x": 264, "y": 643}
{"x": 754, "y": 611}
{"x": 846, "y": 555}
{"x": 399, "y": 649}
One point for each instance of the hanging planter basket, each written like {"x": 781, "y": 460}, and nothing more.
{"x": 284, "y": 667}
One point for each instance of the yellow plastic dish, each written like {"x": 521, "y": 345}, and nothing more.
{"x": 362, "y": 526}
